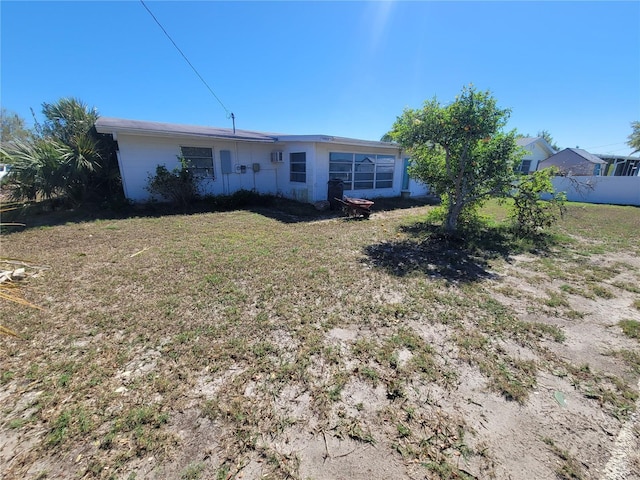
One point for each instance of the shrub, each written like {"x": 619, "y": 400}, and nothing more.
{"x": 178, "y": 186}
{"x": 532, "y": 214}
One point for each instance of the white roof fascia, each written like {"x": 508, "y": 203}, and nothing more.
{"x": 157, "y": 129}
{"x": 337, "y": 141}
{"x": 115, "y": 126}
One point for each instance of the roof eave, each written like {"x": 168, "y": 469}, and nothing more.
{"x": 115, "y": 131}
{"x": 337, "y": 141}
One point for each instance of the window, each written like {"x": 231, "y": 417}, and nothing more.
{"x": 362, "y": 171}
{"x": 525, "y": 165}
{"x": 200, "y": 160}
{"x": 597, "y": 169}
{"x": 298, "y": 167}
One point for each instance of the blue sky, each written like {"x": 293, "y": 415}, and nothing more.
{"x": 337, "y": 68}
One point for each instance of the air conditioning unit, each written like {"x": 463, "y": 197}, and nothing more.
{"x": 277, "y": 157}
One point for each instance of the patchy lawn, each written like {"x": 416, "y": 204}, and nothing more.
{"x": 280, "y": 344}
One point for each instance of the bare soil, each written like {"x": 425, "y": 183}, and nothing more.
{"x": 337, "y": 411}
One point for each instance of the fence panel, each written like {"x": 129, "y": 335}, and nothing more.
{"x": 611, "y": 190}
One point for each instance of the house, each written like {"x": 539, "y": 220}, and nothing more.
{"x": 4, "y": 170}
{"x": 620, "y": 165}
{"x": 536, "y": 150}
{"x": 575, "y": 162}
{"x": 225, "y": 161}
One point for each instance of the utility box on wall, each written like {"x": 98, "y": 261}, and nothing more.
{"x": 225, "y": 161}
{"x": 256, "y": 167}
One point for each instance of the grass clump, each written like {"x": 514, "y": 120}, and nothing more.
{"x": 569, "y": 468}
{"x": 631, "y": 328}
{"x": 193, "y": 471}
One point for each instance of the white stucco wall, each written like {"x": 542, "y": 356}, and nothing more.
{"x": 303, "y": 192}
{"x": 417, "y": 189}
{"x": 322, "y": 173}
{"x": 536, "y": 154}
{"x": 600, "y": 189}
{"x": 140, "y": 154}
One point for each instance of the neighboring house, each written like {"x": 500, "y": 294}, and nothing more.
{"x": 574, "y": 162}
{"x": 621, "y": 166}
{"x": 537, "y": 149}
{"x": 225, "y": 161}
{"x": 4, "y": 169}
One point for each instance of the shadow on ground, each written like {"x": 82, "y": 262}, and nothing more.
{"x": 458, "y": 259}
{"x": 51, "y": 213}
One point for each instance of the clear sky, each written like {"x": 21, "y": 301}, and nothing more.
{"x": 336, "y": 68}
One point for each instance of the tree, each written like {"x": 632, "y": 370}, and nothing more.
{"x": 459, "y": 150}
{"x": 66, "y": 158}
{"x": 13, "y": 128}
{"x": 549, "y": 139}
{"x": 634, "y": 138}
{"x": 530, "y": 213}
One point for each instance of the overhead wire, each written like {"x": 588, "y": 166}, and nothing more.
{"x": 608, "y": 145}
{"x": 229, "y": 113}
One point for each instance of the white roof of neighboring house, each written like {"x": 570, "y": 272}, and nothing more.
{"x": 610, "y": 156}
{"x": 119, "y": 125}
{"x": 524, "y": 142}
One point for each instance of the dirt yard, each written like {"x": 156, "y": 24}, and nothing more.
{"x": 239, "y": 345}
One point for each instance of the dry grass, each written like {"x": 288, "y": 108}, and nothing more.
{"x": 263, "y": 325}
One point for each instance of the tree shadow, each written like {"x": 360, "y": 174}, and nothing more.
{"x": 463, "y": 258}
{"x": 55, "y": 212}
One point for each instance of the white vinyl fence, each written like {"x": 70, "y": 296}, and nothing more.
{"x": 611, "y": 190}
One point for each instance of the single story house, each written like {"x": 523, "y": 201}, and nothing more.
{"x": 536, "y": 150}
{"x": 575, "y": 161}
{"x": 225, "y": 161}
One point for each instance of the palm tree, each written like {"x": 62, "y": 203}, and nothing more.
{"x": 68, "y": 158}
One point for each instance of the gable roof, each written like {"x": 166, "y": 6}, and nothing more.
{"x": 140, "y": 127}
{"x": 525, "y": 142}
{"x": 586, "y": 155}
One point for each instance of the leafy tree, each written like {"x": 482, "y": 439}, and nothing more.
{"x": 634, "y": 138}
{"x": 459, "y": 150}
{"x": 549, "y": 139}
{"x": 66, "y": 158}
{"x": 530, "y": 213}
{"x": 13, "y": 128}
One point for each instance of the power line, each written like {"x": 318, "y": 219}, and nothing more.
{"x": 229, "y": 114}
{"x": 608, "y": 145}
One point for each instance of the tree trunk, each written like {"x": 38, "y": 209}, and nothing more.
{"x": 451, "y": 222}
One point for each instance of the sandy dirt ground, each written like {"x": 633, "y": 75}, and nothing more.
{"x": 556, "y": 427}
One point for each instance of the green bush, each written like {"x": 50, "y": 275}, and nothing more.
{"x": 530, "y": 213}
{"x": 178, "y": 186}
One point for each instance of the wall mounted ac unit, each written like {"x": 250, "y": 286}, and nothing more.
{"x": 277, "y": 157}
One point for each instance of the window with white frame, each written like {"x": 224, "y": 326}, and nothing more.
{"x": 525, "y": 166}
{"x": 199, "y": 160}
{"x": 298, "y": 167}
{"x": 360, "y": 171}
